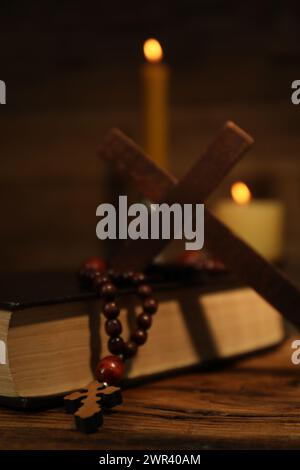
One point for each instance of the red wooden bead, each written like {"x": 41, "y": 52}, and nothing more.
{"x": 144, "y": 291}
{"x": 139, "y": 337}
{"x": 94, "y": 263}
{"x": 108, "y": 291}
{"x": 110, "y": 370}
{"x": 116, "y": 345}
{"x": 150, "y": 305}
{"x": 130, "y": 349}
{"x": 111, "y": 310}
{"x": 144, "y": 321}
{"x": 190, "y": 257}
{"x": 113, "y": 327}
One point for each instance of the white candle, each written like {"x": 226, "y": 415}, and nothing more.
{"x": 259, "y": 222}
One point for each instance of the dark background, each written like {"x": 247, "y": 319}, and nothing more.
{"x": 72, "y": 72}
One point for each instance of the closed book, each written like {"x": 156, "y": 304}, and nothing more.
{"x": 52, "y": 331}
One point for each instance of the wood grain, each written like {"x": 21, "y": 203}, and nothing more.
{"x": 250, "y": 404}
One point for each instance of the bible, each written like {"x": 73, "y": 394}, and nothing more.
{"x": 52, "y": 331}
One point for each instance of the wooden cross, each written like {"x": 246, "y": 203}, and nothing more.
{"x": 87, "y": 405}
{"x": 159, "y": 186}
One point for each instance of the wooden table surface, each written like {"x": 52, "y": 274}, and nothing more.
{"x": 251, "y": 404}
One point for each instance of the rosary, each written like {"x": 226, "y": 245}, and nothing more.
{"x": 88, "y": 404}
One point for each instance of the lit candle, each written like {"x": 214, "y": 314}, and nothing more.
{"x": 258, "y": 221}
{"x": 155, "y": 79}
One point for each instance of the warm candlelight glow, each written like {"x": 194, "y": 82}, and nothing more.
{"x": 152, "y": 50}
{"x": 241, "y": 193}
{"x": 259, "y": 222}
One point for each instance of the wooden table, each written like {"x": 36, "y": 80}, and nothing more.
{"x": 253, "y": 403}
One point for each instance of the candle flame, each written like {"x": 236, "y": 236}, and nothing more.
{"x": 240, "y": 193}
{"x": 153, "y": 51}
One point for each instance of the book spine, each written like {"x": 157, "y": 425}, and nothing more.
{"x": 6, "y": 379}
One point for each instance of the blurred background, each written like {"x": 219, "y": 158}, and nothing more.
{"x": 73, "y": 70}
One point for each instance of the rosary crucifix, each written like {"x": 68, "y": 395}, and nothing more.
{"x": 87, "y": 405}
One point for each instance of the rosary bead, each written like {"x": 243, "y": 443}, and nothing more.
{"x": 139, "y": 278}
{"x": 111, "y": 310}
{"x": 144, "y": 321}
{"x": 108, "y": 291}
{"x": 127, "y": 276}
{"x": 94, "y": 263}
{"x": 139, "y": 337}
{"x": 100, "y": 279}
{"x": 94, "y": 275}
{"x": 130, "y": 349}
{"x": 150, "y": 305}
{"x": 116, "y": 345}
{"x": 113, "y": 327}
{"x": 113, "y": 274}
{"x": 144, "y": 291}
{"x": 110, "y": 369}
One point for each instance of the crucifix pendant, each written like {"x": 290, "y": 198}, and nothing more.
{"x": 88, "y": 404}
